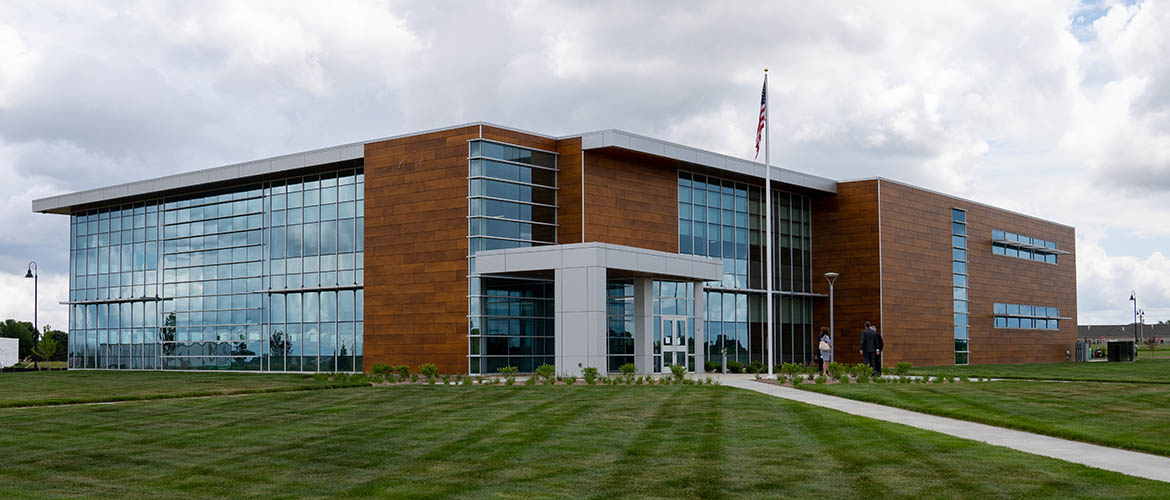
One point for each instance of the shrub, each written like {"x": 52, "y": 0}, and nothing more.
{"x": 509, "y": 373}
{"x": 782, "y": 379}
{"x": 836, "y": 370}
{"x": 791, "y": 368}
{"x": 820, "y": 379}
{"x": 546, "y": 371}
{"x": 429, "y": 370}
{"x": 590, "y": 374}
{"x": 902, "y": 368}
{"x": 735, "y": 367}
{"x": 466, "y": 380}
{"x": 663, "y": 381}
{"x": 530, "y": 380}
{"x": 864, "y": 379}
{"x": 414, "y": 377}
{"x": 844, "y": 379}
{"x": 710, "y": 381}
{"x": 381, "y": 369}
{"x": 679, "y": 371}
{"x": 570, "y": 380}
{"x": 446, "y": 378}
{"x": 755, "y": 367}
{"x": 628, "y": 370}
{"x": 710, "y": 366}
{"x": 797, "y": 380}
{"x": 638, "y": 381}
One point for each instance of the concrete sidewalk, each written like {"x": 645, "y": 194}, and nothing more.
{"x": 1112, "y": 459}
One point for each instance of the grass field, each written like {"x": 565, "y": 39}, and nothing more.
{"x": 1146, "y": 370}
{"x": 1129, "y": 416}
{"x": 64, "y": 387}
{"x": 510, "y": 442}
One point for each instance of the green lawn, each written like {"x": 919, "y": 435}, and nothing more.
{"x": 1129, "y": 416}
{"x": 62, "y": 387}
{"x": 512, "y": 442}
{"x": 1145, "y": 370}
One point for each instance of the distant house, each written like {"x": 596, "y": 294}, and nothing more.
{"x": 1122, "y": 332}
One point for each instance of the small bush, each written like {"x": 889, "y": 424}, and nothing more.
{"x": 902, "y": 368}
{"x": 403, "y": 371}
{"x": 735, "y": 367}
{"x": 783, "y": 379}
{"x": 429, "y": 370}
{"x": 570, "y": 380}
{"x": 381, "y": 369}
{"x": 756, "y": 367}
{"x": 446, "y": 379}
{"x": 710, "y": 380}
{"x": 590, "y": 374}
{"x": 663, "y": 381}
{"x": 414, "y": 377}
{"x": 844, "y": 379}
{"x": 466, "y": 380}
{"x": 638, "y": 381}
{"x": 628, "y": 370}
{"x": 864, "y": 379}
{"x": 820, "y": 379}
{"x": 791, "y": 368}
{"x": 546, "y": 371}
{"x": 530, "y": 380}
{"x": 797, "y": 380}
{"x": 679, "y": 371}
{"x": 509, "y": 373}
{"x": 710, "y": 366}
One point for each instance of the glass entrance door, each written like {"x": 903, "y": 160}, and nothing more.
{"x": 674, "y": 342}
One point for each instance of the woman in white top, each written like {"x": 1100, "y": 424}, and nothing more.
{"x": 825, "y": 344}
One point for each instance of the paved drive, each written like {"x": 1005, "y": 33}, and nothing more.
{"x": 1102, "y": 457}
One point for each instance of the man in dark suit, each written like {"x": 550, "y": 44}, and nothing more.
{"x": 871, "y": 347}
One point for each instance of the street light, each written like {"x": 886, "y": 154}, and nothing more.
{"x": 32, "y": 273}
{"x": 1133, "y": 298}
{"x": 831, "y": 277}
{"x": 1142, "y": 323}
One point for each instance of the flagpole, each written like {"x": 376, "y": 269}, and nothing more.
{"x": 768, "y": 222}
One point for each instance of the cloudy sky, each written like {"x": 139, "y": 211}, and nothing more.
{"x": 1058, "y": 109}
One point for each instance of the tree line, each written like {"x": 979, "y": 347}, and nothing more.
{"x": 46, "y": 345}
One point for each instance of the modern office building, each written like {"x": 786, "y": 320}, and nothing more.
{"x": 479, "y": 246}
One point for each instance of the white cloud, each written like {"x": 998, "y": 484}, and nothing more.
{"x": 1052, "y": 108}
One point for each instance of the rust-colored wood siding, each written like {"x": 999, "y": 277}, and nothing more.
{"x": 631, "y": 200}
{"x": 416, "y": 250}
{"x": 845, "y": 241}
{"x": 569, "y": 180}
{"x": 416, "y": 246}
{"x": 917, "y": 281}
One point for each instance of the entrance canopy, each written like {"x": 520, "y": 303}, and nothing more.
{"x": 581, "y": 272}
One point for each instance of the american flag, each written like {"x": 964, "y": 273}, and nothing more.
{"x": 763, "y": 112}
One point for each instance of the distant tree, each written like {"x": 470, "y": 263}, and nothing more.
{"x": 62, "y": 339}
{"x": 21, "y": 330}
{"x": 1152, "y": 342}
{"x": 44, "y": 350}
{"x": 167, "y": 334}
{"x": 278, "y": 344}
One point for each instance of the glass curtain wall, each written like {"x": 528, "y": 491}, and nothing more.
{"x": 959, "y": 276}
{"x": 723, "y": 219}
{"x": 619, "y": 307}
{"x": 205, "y": 281}
{"x": 512, "y": 203}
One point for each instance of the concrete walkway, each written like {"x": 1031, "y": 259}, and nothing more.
{"x": 1112, "y": 459}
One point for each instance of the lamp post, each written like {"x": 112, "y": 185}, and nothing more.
{"x": 831, "y": 277}
{"x": 1142, "y": 324}
{"x": 1133, "y": 298}
{"x": 32, "y": 273}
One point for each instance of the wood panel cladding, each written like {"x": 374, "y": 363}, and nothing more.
{"x": 631, "y": 199}
{"x": 416, "y": 250}
{"x": 845, "y": 241}
{"x": 569, "y": 194}
{"x": 917, "y": 281}
{"x": 416, "y": 245}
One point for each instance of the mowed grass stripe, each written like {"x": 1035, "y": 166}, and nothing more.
{"x": 617, "y": 442}
{"x": 1128, "y": 416}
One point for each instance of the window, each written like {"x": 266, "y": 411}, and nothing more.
{"x": 1026, "y": 316}
{"x": 959, "y": 276}
{"x": 1023, "y": 247}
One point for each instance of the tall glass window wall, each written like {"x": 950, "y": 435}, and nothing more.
{"x": 261, "y": 277}
{"x": 723, "y": 219}
{"x": 619, "y": 308}
{"x": 512, "y": 203}
{"x": 959, "y": 270}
